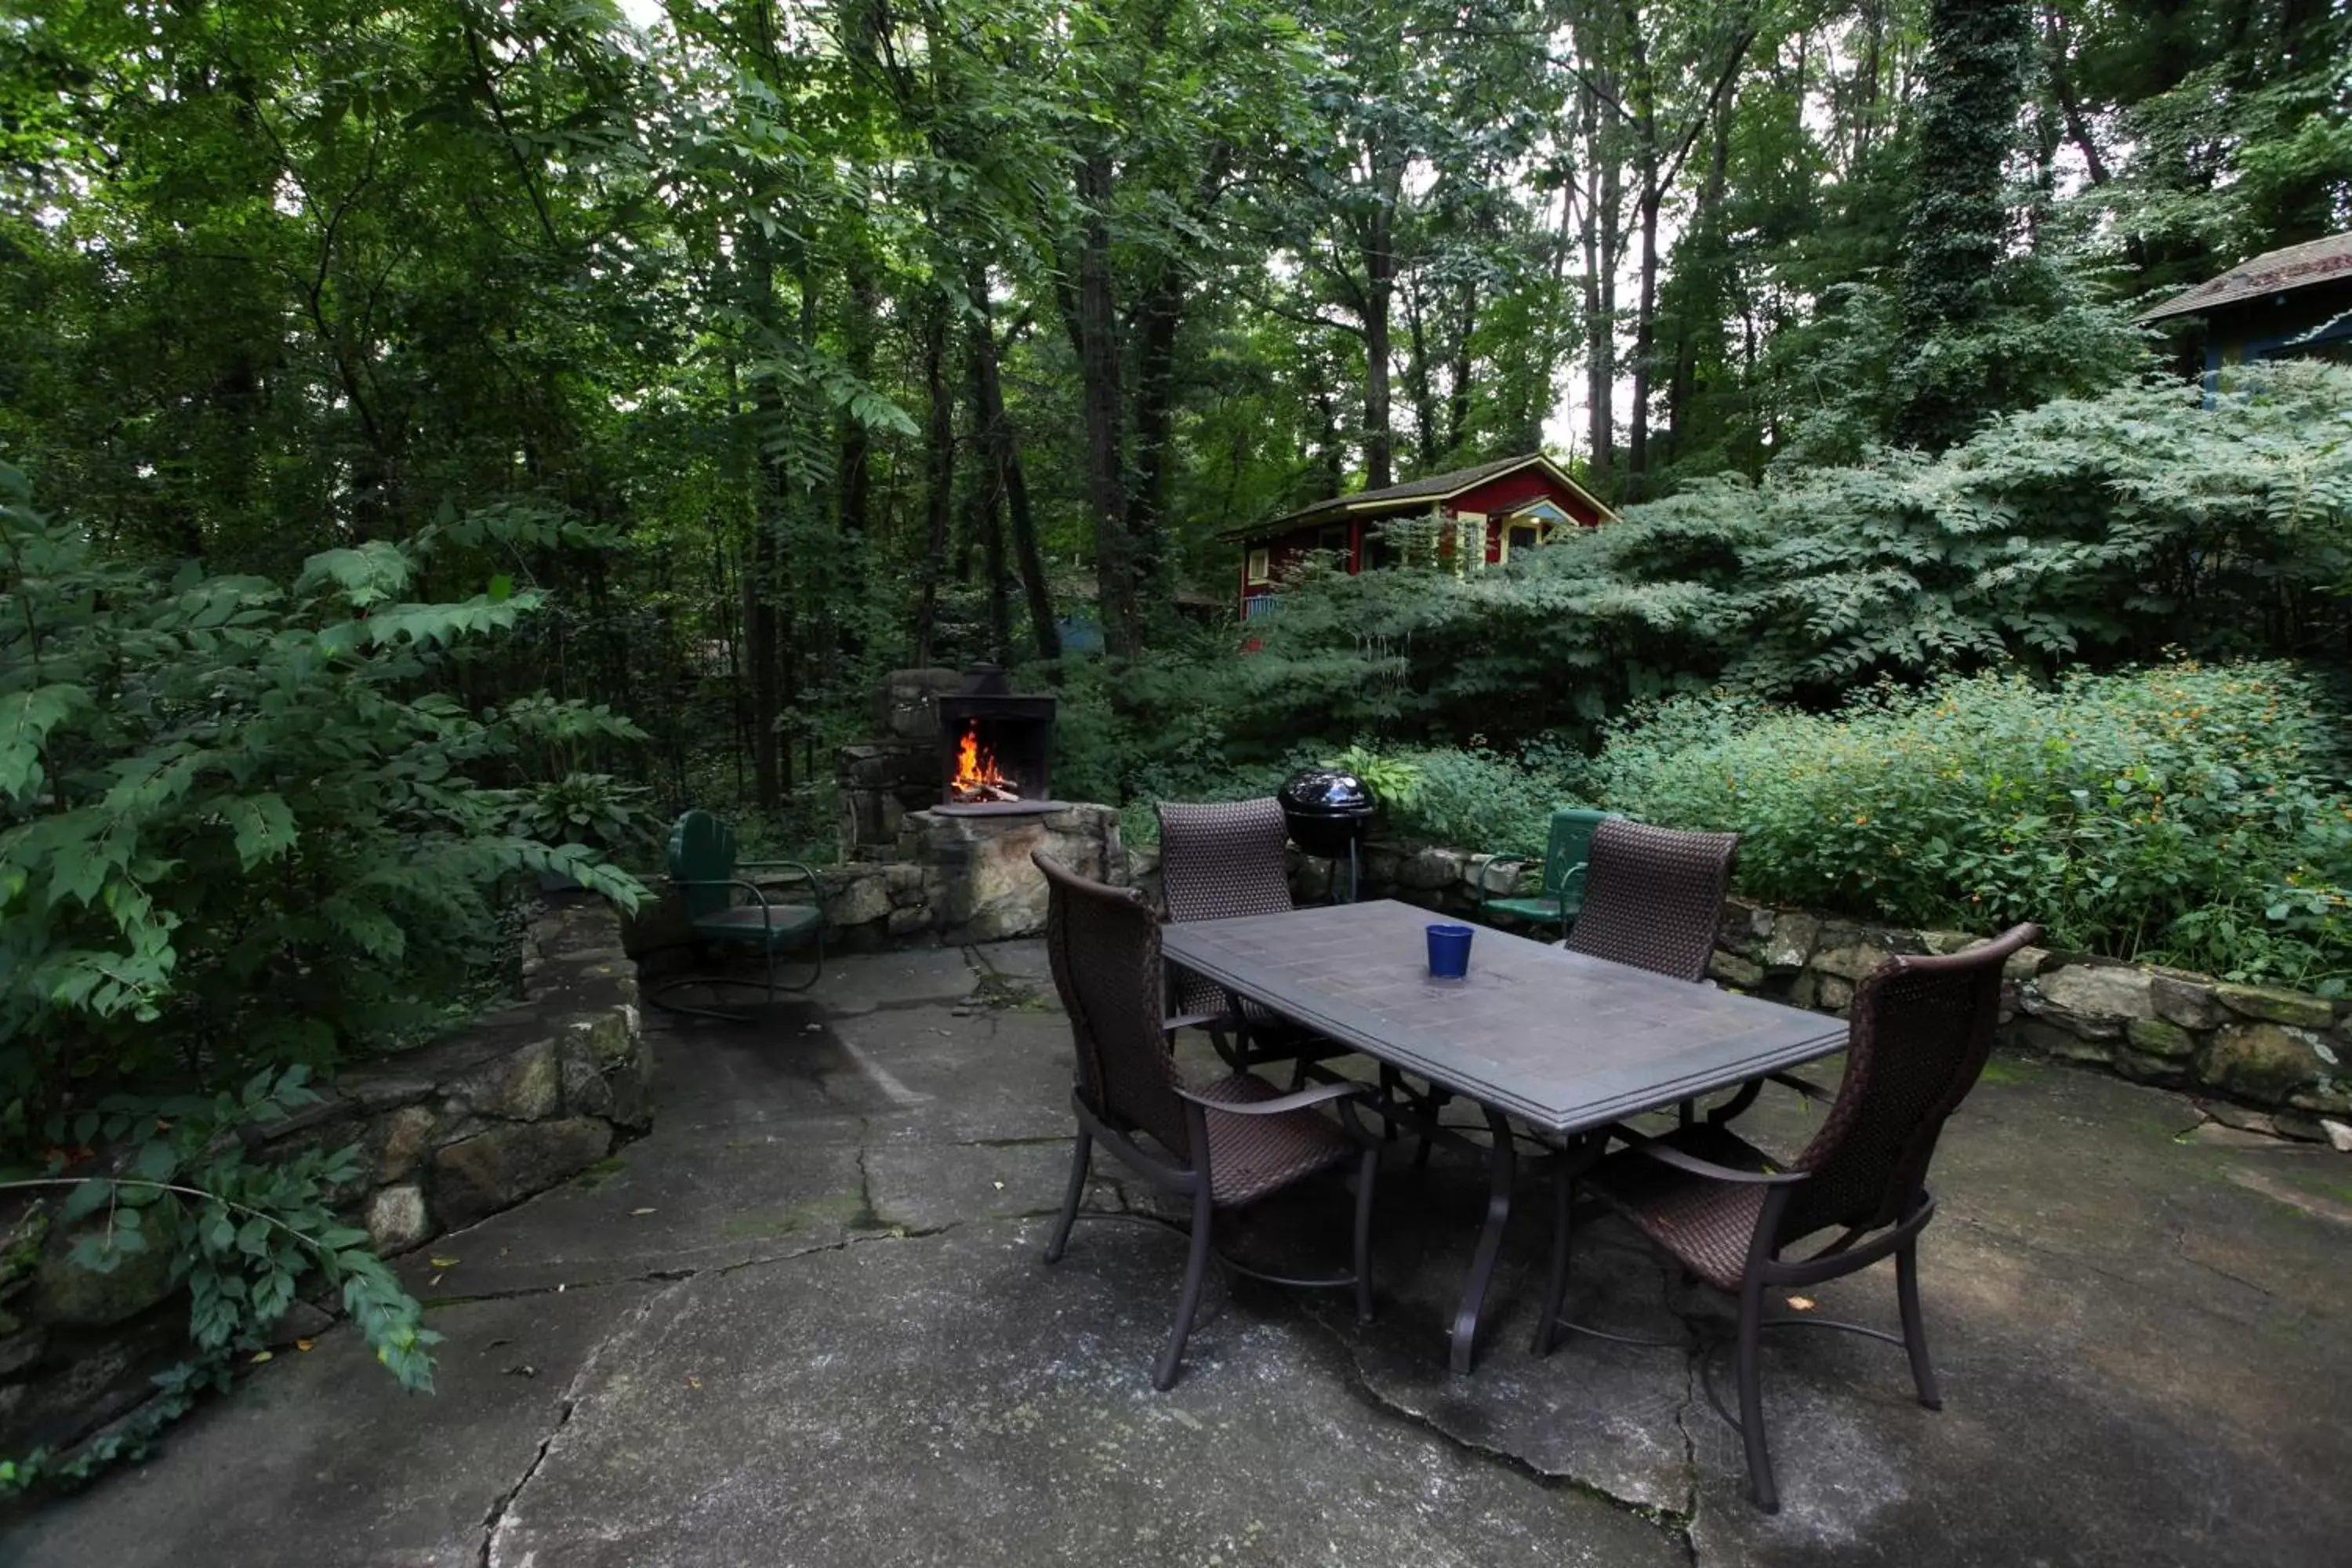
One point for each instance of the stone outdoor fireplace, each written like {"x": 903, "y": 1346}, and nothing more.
{"x": 996, "y": 750}
{"x": 943, "y": 808}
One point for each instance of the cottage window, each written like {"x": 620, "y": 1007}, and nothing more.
{"x": 1260, "y": 567}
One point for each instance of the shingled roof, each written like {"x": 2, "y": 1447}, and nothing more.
{"x": 2273, "y": 272}
{"x": 1429, "y": 489}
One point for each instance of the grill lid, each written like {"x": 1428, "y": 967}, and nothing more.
{"x": 1326, "y": 792}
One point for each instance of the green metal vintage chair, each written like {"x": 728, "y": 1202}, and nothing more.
{"x": 703, "y": 867}
{"x": 1562, "y": 898}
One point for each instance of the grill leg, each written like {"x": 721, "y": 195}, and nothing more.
{"x": 1081, "y": 1153}
{"x": 1915, "y": 1331}
{"x": 1502, "y": 1165}
{"x": 1196, "y": 1268}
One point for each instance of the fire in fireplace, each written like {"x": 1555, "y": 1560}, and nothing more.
{"x": 997, "y": 749}
{"x": 977, "y": 776}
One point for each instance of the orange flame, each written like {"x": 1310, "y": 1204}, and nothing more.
{"x": 976, "y": 766}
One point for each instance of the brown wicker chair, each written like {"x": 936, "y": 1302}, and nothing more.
{"x": 1654, "y": 896}
{"x": 1653, "y": 899}
{"x": 1226, "y": 1143}
{"x": 1919, "y": 1032}
{"x": 1216, "y": 862}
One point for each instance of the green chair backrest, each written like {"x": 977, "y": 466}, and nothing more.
{"x": 1571, "y": 844}
{"x": 702, "y": 849}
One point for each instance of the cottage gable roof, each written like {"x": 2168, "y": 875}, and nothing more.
{"x": 1428, "y": 490}
{"x": 2273, "y": 272}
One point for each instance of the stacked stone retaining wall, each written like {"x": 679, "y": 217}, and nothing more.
{"x": 474, "y": 1123}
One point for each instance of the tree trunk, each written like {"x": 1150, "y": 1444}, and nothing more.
{"x": 1005, "y": 468}
{"x": 857, "y": 334}
{"x": 1602, "y": 193}
{"x": 938, "y": 471}
{"x": 1418, "y": 383}
{"x": 1097, "y": 332}
{"x": 1645, "y": 311}
{"x": 1380, "y": 272}
{"x": 1160, "y": 313}
{"x": 1457, "y": 397}
{"x": 1976, "y": 70}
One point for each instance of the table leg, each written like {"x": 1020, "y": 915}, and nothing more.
{"x": 1503, "y": 1166}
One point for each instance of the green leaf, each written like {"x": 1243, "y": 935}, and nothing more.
{"x": 25, "y": 720}
{"x": 86, "y": 1199}
{"x": 263, "y": 826}
{"x": 156, "y": 1161}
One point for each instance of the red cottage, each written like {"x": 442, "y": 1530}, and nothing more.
{"x": 1469, "y": 518}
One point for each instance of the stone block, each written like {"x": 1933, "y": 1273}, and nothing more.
{"x": 1804, "y": 991}
{"x": 22, "y": 1350}
{"x": 1794, "y": 935}
{"x": 521, "y": 1087}
{"x": 2108, "y": 992}
{"x": 1832, "y": 994}
{"x": 2239, "y": 1117}
{"x": 2160, "y": 1038}
{"x": 397, "y": 1219}
{"x": 909, "y": 921}
{"x": 1431, "y": 870}
{"x": 856, "y": 895}
{"x": 2183, "y": 1000}
{"x": 2272, "y": 1006}
{"x": 2026, "y": 962}
{"x": 2141, "y": 1067}
{"x": 2054, "y": 1039}
{"x": 497, "y": 1169}
{"x": 66, "y": 1294}
{"x": 1943, "y": 943}
{"x": 2262, "y": 1062}
{"x": 1848, "y": 963}
{"x": 903, "y": 879}
{"x": 1734, "y": 969}
{"x": 1744, "y": 928}
{"x": 401, "y": 1140}
{"x": 658, "y": 922}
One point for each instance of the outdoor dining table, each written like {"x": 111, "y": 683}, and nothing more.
{"x": 1566, "y": 1044}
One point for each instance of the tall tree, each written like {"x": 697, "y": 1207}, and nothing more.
{"x": 1958, "y": 221}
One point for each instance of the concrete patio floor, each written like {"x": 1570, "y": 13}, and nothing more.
{"x": 804, "y": 1321}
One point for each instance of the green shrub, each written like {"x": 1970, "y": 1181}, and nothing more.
{"x": 1474, "y": 799}
{"x": 2178, "y": 813}
{"x": 237, "y": 829}
{"x": 242, "y": 837}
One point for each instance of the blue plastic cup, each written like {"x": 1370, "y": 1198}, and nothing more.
{"x": 1449, "y": 951}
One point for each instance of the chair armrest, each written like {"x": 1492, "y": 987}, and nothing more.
{"x": 759, "y": 898}
{"x": 799, "y": 866}
{"x": 1667, "y": 1154}
{"x": 1299, "y": 1101}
